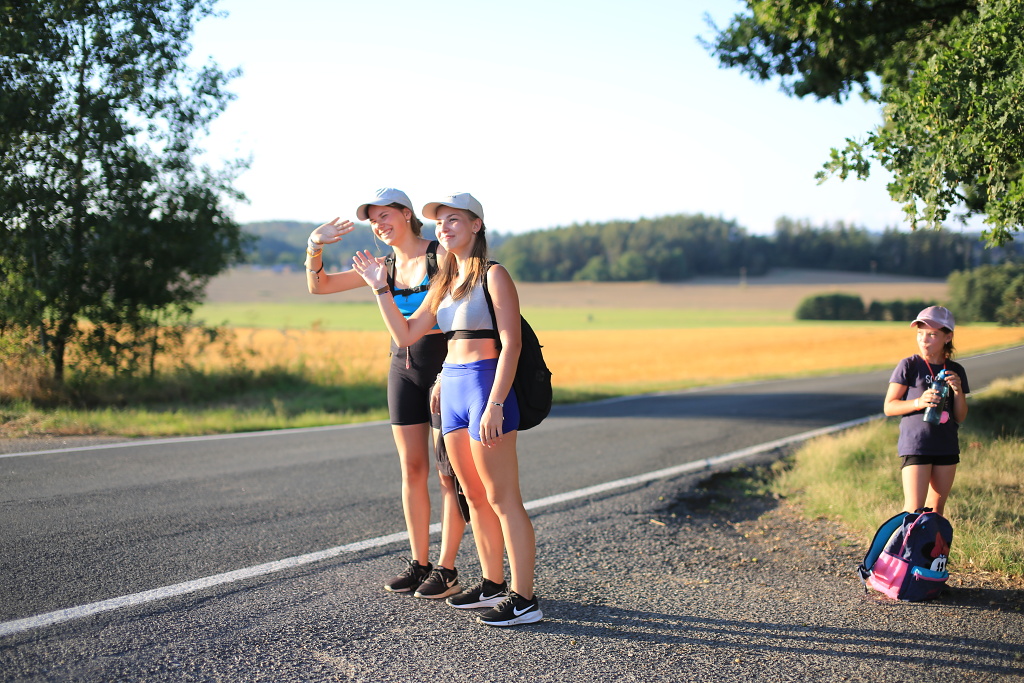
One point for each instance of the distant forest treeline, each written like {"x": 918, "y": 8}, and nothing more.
{"x": 674, "y": 248}
{"x": 283, "y": 243}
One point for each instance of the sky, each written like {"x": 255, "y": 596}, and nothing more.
{"x": 549, "y": 112}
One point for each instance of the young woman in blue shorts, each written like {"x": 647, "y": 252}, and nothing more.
{"x": 480, "y": 416}
{"x": 930, "y": 452}
{"x": 413, "y": 370}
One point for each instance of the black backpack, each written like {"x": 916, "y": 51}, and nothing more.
{"x": 533, "y": 379}
{"x": 389, "y": 263}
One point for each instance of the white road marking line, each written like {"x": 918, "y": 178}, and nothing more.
{"x": 8, "y": 628}
{"x": 191, "y": 439}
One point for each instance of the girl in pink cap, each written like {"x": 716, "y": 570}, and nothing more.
{"x": 930, "y": 450}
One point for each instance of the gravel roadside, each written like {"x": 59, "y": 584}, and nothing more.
{"x": 679, "y": 580}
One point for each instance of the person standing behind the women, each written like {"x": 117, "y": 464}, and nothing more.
{"x": 930, "y": 452}
{"x": 480, "y": 416}
{"x": 413, "y": 370}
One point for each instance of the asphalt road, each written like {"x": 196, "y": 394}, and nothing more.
{"x": 82, "y": 526}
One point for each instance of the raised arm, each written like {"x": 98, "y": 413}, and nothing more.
{"x": 405, "y": 332}
{"x": 318, "y": 281}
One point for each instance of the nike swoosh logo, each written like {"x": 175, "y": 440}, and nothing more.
{"x": 519, "y": 613}
{"x": 491, "y": 597}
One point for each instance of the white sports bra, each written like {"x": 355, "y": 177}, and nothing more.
{"x": 468, "y": 313}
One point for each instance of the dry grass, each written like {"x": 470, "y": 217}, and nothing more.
{"x": 337, "y": 354}
{"x": 711, "y": 355}
{"x": 643, "y": 359}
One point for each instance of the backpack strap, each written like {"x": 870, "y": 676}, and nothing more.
{"x": 490, "y": 304}
{"x": 389, "y": 264}
{"x": 432, "y": 259}
{"x": 481, "y": 334}
{"x": 878, "y": 544}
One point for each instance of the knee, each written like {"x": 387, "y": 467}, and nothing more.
{"x": 476, "y": 495}
{"x": 415, "y": 469}
{"x": 505, "y": 503}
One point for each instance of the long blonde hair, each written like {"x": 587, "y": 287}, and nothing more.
{"x": 448, "y": 272}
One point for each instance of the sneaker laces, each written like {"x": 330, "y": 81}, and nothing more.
{"x": 506, "y": 602}
{"x": 413, "y": 568}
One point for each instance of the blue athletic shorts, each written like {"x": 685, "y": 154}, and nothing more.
{"x": 464, "y": 392}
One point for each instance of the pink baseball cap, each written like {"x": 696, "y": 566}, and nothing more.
{"x": 935, "y": 316}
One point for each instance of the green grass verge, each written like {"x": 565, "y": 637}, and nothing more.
{"x": 188, "y": 403}
{"x": 854, "y": 478}
{"x": 365, "y": 317}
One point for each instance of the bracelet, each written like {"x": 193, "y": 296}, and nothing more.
{"x": 310, "y": 244}
{"x": 495, "y": 403}
{"x": 317, "y": 271}
{"x": 383, "y": 290}
{"x": 313, "y": 253}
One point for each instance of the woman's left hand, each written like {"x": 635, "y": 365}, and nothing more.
{"x": 490, "y": 425}
{"x": 370, "y": 268}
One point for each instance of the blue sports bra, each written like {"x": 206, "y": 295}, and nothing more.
{"x": 408, "y": 300}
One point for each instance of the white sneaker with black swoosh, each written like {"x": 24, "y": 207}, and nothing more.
{"x": 515, "y": 609}
{"x": 484, "y": 594}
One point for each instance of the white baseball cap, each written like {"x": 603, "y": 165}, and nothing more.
{"x": 460, "y": 200}
{"x": 385, "y": 196}
{"x": 935, "y": 316}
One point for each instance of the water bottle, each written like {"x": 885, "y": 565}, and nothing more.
{"x": 933, "y": 414}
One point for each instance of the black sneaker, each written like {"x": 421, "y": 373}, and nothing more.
{"x": 441, "y": 583}
{"x": 410, "y": 579}
{"x": 515, "y": 609}
{"x": 484, "y": 594}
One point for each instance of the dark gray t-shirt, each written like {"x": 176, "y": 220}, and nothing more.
{"x": 918, "y": 437}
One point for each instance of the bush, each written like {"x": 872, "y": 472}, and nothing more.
{"x": 831, "y": 307}
{"x": 1011, "y": 312}
{"x": 988, "y": 294}
{"x": 897, "y": 310}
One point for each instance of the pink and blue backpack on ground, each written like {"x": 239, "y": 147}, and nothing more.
{"x": 907, "y": 558}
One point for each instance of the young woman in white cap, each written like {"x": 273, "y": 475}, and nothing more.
{"x": 930, "y": 451}
{"x": 480, "y": 416}
{"x": 414, "y": 368}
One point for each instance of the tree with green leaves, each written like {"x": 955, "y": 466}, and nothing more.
{"x": 988, "y": 294}
{"x": 948, "y": 74}
{"x": 108, "y": 224}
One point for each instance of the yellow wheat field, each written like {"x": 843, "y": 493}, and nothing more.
{"x": 712, "y": 355}
{"x": 645, "y": 358}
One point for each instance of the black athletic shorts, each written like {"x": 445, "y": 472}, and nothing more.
{"x": 934, "y": 460}
{"x": 409, "y": 388}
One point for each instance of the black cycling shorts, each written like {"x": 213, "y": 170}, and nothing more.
{"x": 934, "y": 460}
{"x": 409, "y": 388}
